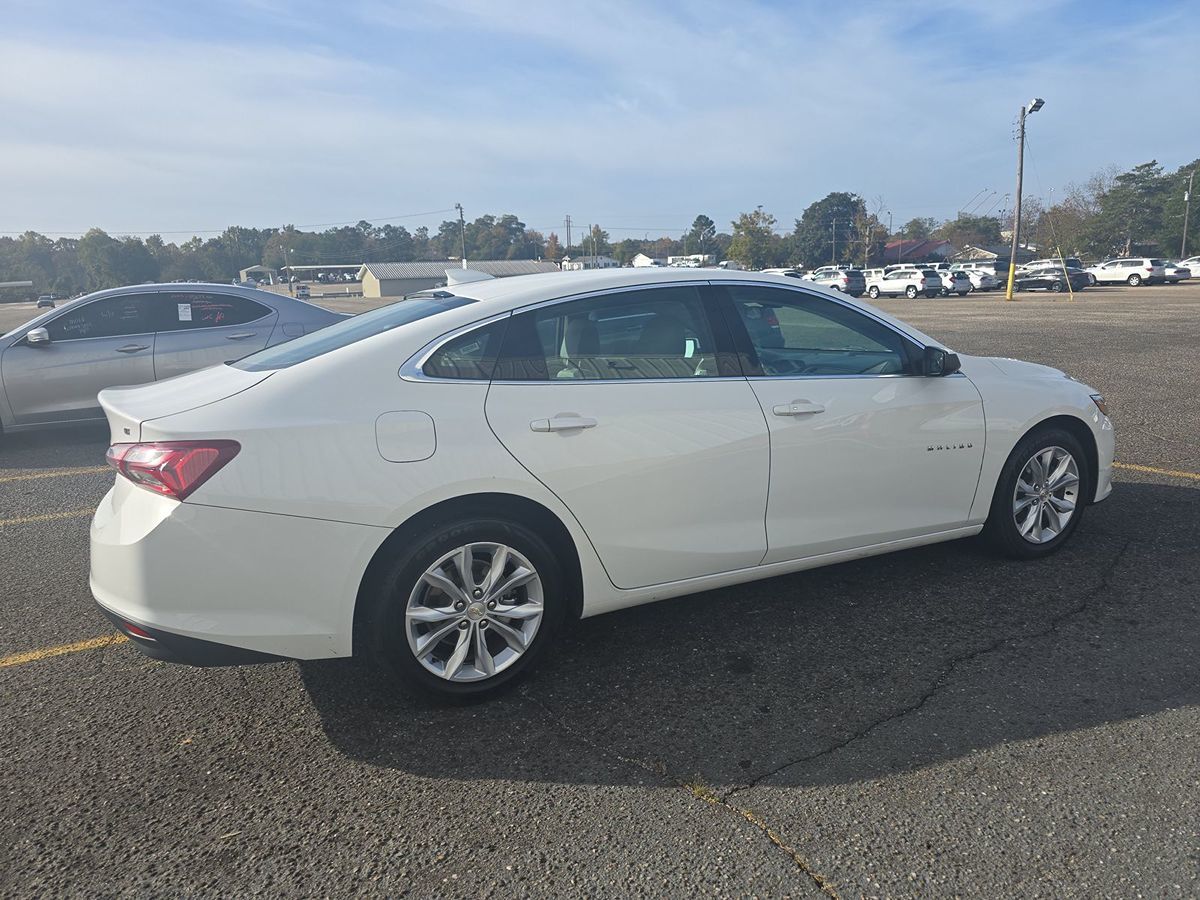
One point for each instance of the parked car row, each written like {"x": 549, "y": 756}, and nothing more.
{"x": 1053, "y": 274}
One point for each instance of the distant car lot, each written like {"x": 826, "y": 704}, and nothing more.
{"x": 932, "y": 723}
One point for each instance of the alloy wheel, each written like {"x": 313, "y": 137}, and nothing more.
{"x": 474, "y": 612}
{"x": 1046, "y": 494}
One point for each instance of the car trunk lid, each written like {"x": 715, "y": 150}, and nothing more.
{"x": 128, "y": 408}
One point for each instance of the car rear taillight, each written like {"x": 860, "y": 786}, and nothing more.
{"x": 922, "y": 282}
{"x": 172, "y": 468}
{"x": 1149, "y": 268}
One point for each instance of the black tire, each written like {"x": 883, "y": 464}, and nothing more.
{"x": 1091, "y": 280}
{"x": 1134, "y": 280}
{"x": 385, "y": 633}
{"x": 911, "y": 292}
{"x": 1056, "y": 287}
{"x": 873, "y": 292}
{"x": 1001, "y": 527}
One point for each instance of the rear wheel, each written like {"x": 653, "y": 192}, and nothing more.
{"x": 1091, "y": 280}
{"x": 466, "y": 612}
{"x": 1039, "y": 497}
{"x": 1134, "y": 280}
{"x": 1056, "y": 286}
{"x": 873, "y": 292}
{"x": 911, "y": 292}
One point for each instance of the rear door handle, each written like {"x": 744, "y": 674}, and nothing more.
{"x": 798, "y": 408}
{"x": 240, "y": 336}
{"x": 132, "y": 348}
{"x": 562, "y": 423}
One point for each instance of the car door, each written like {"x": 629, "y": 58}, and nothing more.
{"x": 631, "y": 407}
{"x": 863, "y": 450}
{"x": 92, "y": 346}
{"x": 203, "y": 328}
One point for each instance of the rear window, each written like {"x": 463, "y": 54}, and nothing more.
{"x": 349, "y": 331}
{"x": 1158, "y": 262}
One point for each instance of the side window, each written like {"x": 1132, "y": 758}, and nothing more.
{"x": 797, "y": 334}
{"x": 650, "y": 333}
{"x": 177, "y": 311}
{"x": 110, "y": 317}
{"x": 469, "y": 356}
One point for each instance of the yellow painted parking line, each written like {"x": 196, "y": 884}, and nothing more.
{"x": 55, "y": 473}
{"x": 47, "y": 517}
{"x": 1150, "y": 470}
{"x": 29, "y": 656}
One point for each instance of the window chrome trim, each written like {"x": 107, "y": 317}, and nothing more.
{"x": 413, "y": 368}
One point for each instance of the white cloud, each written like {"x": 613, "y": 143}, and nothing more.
{"x": 629, "y": 110}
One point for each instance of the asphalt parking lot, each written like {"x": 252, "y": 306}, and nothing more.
{"x": 938, "y": 722}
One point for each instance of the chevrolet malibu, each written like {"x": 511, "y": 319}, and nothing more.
{"x": 439, "y": 483}
{"x": 52, "y": 367}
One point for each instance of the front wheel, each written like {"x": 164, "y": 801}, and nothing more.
{"x": 1134, "y": 280}
{"x": 1091, "y": 280}
{"x": 467, "y": 611}
{"x": 873, "y": 292}
{"x": 911, "y": 292}
{"x": 1040, "y": 496}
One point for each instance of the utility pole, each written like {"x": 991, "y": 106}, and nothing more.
{"x": 567, "y": 223}
{"x": 889, "y": 235}
{"x": 1187, "y": 209}
{"x": 462, "y": 233}
{"x": 833, "y": 250}
{"x": 1034, "y": 105}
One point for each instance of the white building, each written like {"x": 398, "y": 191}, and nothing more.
{"x": 642, "y": 261}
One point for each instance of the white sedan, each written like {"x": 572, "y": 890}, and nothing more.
{"x": 439, "y": 483}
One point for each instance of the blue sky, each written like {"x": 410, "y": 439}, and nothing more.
{"x": 184, "y": 118}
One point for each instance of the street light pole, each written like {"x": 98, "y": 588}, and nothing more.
{"x": 1034, "y": 105}
{"x": 1187, "y": 209}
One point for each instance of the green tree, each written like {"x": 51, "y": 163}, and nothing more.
{"x": 826, "y": 232}
{"x": 755, "y": 244}
{"x": 920, "y": 229}
{"x": 701, "y": 237}
{"x": 977, "y": 231}
{"x": 1131, "y": 212}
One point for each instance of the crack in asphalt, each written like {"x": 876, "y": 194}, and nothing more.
{"x": 697, "y": 789}
{"x": 943, "y": 677}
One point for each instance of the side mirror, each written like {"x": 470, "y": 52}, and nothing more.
{"x": 37, "y": 336}
{"x": 939, "y": 362}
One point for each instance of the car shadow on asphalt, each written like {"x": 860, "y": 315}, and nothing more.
{"x": 835, "y": 675}
{"x": 54, "y": 448}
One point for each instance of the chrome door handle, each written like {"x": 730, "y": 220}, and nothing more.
{"x": 562, "y": 423}
{"x": 798, "y": 408}
{"x": 240, "y": 336}
{"x": 133, "y": 348}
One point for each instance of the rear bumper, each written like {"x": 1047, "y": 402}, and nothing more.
{"x": 217, "y": 586}
{"x": 176, "y": 648}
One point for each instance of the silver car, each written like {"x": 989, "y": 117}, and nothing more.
{"x": 52, "y": 367}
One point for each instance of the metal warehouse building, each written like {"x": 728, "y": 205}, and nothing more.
{"x": 398, "y": 279}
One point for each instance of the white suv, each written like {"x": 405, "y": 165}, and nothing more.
{"x": 1132, "y": 271}
{"x": 909, "y": 282}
